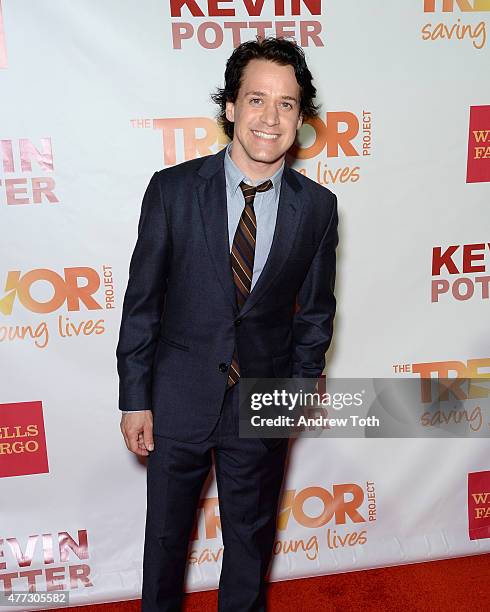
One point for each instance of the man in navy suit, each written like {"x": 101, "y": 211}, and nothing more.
{"x": 232, "y": 275}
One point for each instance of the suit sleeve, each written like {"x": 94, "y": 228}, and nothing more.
{"x": 313, "y": 321}
{"x": 143, "y": 302}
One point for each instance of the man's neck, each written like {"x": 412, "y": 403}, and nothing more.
{"x": 255, "y": 171}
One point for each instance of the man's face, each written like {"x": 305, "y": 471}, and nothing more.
{"x": 265, "y": 114}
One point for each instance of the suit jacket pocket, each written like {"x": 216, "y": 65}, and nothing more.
{"x": 174, "y": 343}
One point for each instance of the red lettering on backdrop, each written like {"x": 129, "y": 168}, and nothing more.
{"x": 254, "y": 8}
{"x": 440, "y": 259}
{"x": 176, "y": 8}
{"x": 216, "y": 11}
{"x": 471, "y": 254}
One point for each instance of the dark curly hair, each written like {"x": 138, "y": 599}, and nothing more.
{"x": 279, "y": 50}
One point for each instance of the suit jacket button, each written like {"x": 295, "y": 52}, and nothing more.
{"x": 237, "y": 322}
{"x": 223, "y": 367}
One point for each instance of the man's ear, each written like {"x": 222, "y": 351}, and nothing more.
{"x": 300, "y": 121}
{"x": 230, "y": 111}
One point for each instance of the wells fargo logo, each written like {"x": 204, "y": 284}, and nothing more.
{"x": 466, "y": 270}
{"x": 478, "y": 165}
{"x": 479, "y": 505}
{"x": 454, "y": 30}
{"x": 3, "y": 46}
{"x": 211, "y": 25}
{"x": 349, "y": 507}
{"x": 22, "y": 439}
{"x": 19, "y": 186}
{"x": 45, "y": 562}
{"x": 63, "y": 291}
{"x": 337, "y": 135}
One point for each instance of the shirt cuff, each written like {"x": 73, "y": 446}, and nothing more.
{"x": 131, "y": 411}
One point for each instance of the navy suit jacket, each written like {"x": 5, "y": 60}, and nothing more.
{"x": 180, "y": 321}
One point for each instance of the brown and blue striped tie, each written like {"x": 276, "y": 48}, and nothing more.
{"x": 242, "y": 258}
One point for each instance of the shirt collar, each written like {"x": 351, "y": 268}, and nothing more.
{"x": 234, "y": 176}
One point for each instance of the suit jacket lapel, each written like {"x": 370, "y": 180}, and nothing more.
{"x": 212, "y": 202}
{"x": 214, "y": 213}
{"x": 288, "y": 217}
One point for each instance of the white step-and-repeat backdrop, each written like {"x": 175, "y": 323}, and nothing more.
{"x": 95, "y": 96}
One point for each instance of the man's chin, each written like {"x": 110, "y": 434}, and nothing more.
{"x": 266, "y": 157}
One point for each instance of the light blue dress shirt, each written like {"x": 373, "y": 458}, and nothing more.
{"x": 265, "y": 206}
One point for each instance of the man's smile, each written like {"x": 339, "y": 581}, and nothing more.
{"x": 265, "y": 135}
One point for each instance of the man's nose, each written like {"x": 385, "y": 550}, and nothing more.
{"x": 270, "y": 115}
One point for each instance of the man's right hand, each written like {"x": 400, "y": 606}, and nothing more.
{"x": 137, "y": 430}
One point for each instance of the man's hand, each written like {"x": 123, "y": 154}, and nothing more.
{"x": 137, "y": 430}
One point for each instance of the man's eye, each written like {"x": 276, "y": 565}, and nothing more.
{"x": 255, "y": 100}
{"x": 287, "y": 105}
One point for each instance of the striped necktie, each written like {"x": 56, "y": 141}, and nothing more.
{"x": 242, "y": 258}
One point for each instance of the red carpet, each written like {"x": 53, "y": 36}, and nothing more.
{"x": 437, "y": 586}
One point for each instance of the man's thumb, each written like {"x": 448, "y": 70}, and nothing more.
{"x": 148, "y": 438}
